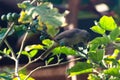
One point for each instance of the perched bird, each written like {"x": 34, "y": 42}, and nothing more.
{"x": 68, "y": 38}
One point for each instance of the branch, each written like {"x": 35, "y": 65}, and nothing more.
{"x": 7, "y": 32}
{"x": 22, "y": 44}
{"x": 52, "y": 65}
{"x": 7, "y": 55}
{"x": 36, "y": 59}
{"x": 14, "y": 58}
{"x": 12, "y": 52}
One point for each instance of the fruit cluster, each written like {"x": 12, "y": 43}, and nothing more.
{"x": 11, "y": 17}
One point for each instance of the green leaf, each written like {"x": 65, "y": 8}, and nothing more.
{"x": 107, "y": 23}
{"x": 95, "y": 43}
{"x": 45, "y": 13}
{"x": 50, "y": 60}
{"x": 115, "y": 33}
{"x": 113, "y": 71}
{"x": 51, "y": 30}
{"x": 24, "y": 4}
{"x": 117, "y": 39}
{"x": 23, "y": 76}
{"x": 93, "y": 77}
{"x": 6, "y": 51}
{"x": 64, "y": 50}
{"x": 80, "y": 68}
{"x": 33, "y": 53}
{"x": 97, "y": 55}
{"x": 47, "y": 42}
{"x": 5, "y": 77}
{"x": 93, "y": 47}
{"x": 30, "y": 54}
{"x": 25, "y": 53}
{"x": 31, "y": 47}
{"x": 98, "y": 30}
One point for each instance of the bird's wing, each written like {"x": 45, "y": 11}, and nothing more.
{"x": 67, "y": 34}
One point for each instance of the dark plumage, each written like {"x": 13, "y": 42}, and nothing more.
{"x": 68, "y": 37}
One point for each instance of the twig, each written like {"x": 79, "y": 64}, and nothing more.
{"x": 22, "y": 44}
{"x": 16, "y": 69}
{"x": 33, "y": 1}
{"x": 14, "y": 58}
{"x": 52, "y": 65}
{"x": 12, "y": 52}
{"x": 7, "y": 55}
{"x": 6, "y": 34}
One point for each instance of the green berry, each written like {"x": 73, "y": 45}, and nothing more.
{"x": 15, "y": 16}
{"x": 3, "y": 17}
{"x": 9, "y": 17}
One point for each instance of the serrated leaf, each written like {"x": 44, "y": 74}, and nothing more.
{"x": 107, "y": 23}
{"x": 80, "y": 68}
{"x": 98, "y": 30}
{"x": 113, "y": 71}
{"x": 96, "y": 56}
{"x": 115, "y": 33}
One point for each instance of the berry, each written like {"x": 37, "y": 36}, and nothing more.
{"x": 3, "y": 17}
{"x": 15, "y": 16}
{"x": 9, "y": 17}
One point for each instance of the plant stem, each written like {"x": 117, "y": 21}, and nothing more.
{"x": 12, "y": 52}
{"x": 33, "y": 1}
{"x": 22, "y": 44}
{"x": 14, "y": 58}
{"x": 7, "y": 32}
{"x": 16, "y": 69}
{"x": 52, "y": 65}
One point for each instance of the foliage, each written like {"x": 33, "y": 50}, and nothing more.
{"x": 43, "y": 18}
{"x": 105, "y": 66}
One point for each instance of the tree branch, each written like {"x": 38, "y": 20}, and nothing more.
{"x": 7, "y": 32}
{"x": 22, "y": 44}
{"x": 51, "y": 65}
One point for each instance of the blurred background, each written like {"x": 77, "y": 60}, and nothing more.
{"x": 82, "y": 15}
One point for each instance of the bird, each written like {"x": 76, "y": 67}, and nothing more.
{"x": 68, "y": 38}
